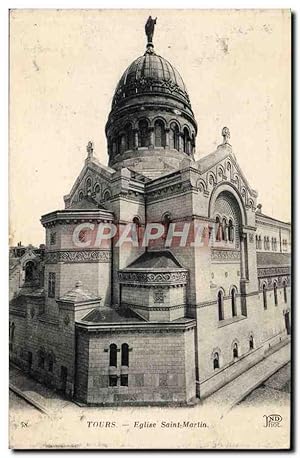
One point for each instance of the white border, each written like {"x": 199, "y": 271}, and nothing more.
{"x": 98, "y": 4}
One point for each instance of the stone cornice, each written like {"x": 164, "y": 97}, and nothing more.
{"x": 143, "y": 327}
{"x": 75, "y": 216}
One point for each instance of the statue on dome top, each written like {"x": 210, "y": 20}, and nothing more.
{"x": 149, "y": 28}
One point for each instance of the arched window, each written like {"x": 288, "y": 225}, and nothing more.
{"x": 174, "y": 136}
{"x": 216, "y": 361}
{"x": 220, "y": 305}
{"x": 235, "y": 351}
{"x": 88, "y": 184}
{"x": 275, "y": 293}
{"x": 284, "y": 292}
{"x": 29, "y": 272}
{"x": 230, "y": 231}
{"x": 224, "y": 229}
{"x": 265, "y": 296}
{"x": 159, "y": 133}
{"x": 233, "y": 302}
{"x": 259, "y": 242}
{"x": 251, "y": 342}
{"x": 114, "y": 147}
{"x": 129, "y": 137}
{"x": 97, "y": 189}
{"x": 50, "y": 362}
{"x": 166, "y": 220}
{"x": 113, "y": 355}
{"x": 219, "y": 230}
{"x": 143, "y": 133}
{"x": 137, "y": 227}
{"x": 256, "y": 240}
{"x": 122, "y": 143}
{"x": 80, "y": 195}
{"x": 125, "y": 355}
{"x": 186, "y": 141}
{"x": 106, "y": 195}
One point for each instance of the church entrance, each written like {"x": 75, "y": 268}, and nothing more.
{"x": 287, "y": 323}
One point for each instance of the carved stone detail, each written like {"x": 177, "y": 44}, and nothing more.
{"x": 225, "y": 255}
{"x": 152, "y": 278}
{"x": 53, "y": 257}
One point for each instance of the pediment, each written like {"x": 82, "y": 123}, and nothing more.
{"x": 221, "y": 166}
{"x": 94, "y": 178}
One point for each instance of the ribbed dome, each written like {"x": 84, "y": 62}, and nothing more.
{"x": 150, "y": 73}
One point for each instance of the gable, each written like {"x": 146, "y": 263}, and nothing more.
{"x": 221, "y": 167}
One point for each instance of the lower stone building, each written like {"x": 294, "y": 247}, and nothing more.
{"x": 109, "y": 319}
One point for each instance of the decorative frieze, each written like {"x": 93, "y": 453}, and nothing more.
{"x": 225, "y": 255}
{"x": 167, "y": 278}
{"x": 53, "y": 257}
{"x": 271, "y": 271}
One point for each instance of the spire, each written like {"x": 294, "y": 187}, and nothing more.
{"x": 149, "y": 30}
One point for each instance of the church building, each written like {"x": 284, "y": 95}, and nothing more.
{"x": 162, "y": 322}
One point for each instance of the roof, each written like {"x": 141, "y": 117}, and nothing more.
{"x": 111, "y": 315}
{"x": 155, "y": 260}
{"x": 78, "y": 295}
{"x": 87, "y": 203}
{"x": 150, "y": 70}
{"x": 273, "y": 259}
{"x": 263, "y": 215}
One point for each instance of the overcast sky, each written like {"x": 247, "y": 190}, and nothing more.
{"x": 65, "y": 66}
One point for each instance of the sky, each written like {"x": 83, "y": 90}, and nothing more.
{"x": 64, "y": 68}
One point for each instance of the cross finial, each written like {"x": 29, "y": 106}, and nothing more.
{"x": 90, "y": 149}
{"x": 225, "y": 135}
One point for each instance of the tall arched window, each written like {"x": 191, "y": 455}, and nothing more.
{"x": 220, "y": 305}
{"x": 129, "y": 137}
{"x": 143, "y": 133}
{"x": 186, "y": 140}
{"x": 235, "y": 351}
{"x": 166, "y": 220}
{"x": 265, "y": 296}
{"x": 275, "y": 293}
{"x": 174, "y": 136}
{"x": 259, "y": 242}
{"x": 233, "y": 302}
{"x": 137, "y": 227}
{"x": 29, "y": 271}
{"x": 284, "y": 292}
{"x": 113, "y": 355}
{"x": 224, "y": 230}
{"x": 256, "y": 240}
{"x": 159, "y": 133}
{"x": 125, "y": 355}
{"x": 230, "y": 231}
{"x": 88, "y": 184}
{"x": 216, "y": 361}
{"x": 122, "y": 143}
{"x": 219, "y": 230}
{"x": 251, "y": 342}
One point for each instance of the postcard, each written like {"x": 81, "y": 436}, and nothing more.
{"x": 150, "y": 229}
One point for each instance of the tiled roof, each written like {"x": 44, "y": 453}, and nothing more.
{"x": 156, "y": 260}
{"x": 110, "y": 315}
{"x": 269, "y": 259}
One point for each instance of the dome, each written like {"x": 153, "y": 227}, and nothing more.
{"x": 151, "y": 127}
{"x": 150, "y": 73}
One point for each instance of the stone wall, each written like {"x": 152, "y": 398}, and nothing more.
{"x": 161, "y": 367}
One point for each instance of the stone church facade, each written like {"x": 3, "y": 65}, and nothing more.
{"x": 111, "y": 323}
